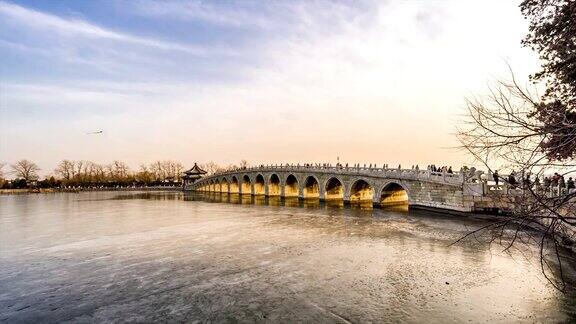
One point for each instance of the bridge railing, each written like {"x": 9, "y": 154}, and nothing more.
{"x": 416, "y": 174}
{"x": 518, "y": 190}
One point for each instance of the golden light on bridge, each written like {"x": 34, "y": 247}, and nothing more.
{"x": 259, "y": 185}
{"x": 246, "y": 185}
{"x": 334, "y": 189}
{"x": 291, "y": 187}
{"x": 361, "y": 191}
{"x": 393, "y": 194}
{"x": 234, "y": 186}
{"x": 311, "y": 188}
{"x": 274, "y": 186}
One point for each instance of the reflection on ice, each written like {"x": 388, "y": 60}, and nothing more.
{"x": 278, "y": 201}
{"x": 174, "y": 257}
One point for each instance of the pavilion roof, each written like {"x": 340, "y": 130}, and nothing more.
{"x": 195, "y": 170}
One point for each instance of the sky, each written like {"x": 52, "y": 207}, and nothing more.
{"x": 369, "y": 81}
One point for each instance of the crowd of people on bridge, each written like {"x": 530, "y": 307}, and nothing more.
{"x": 556, "y": 182}
{"x": 444, "y": 169}
{"x": 431, "y": 167}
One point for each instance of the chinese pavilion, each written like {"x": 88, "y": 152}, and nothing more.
{"x": 192, "y": 175}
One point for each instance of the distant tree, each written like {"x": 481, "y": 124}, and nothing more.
{"x": 144, "y": 176}
{"x": 79, "y": 175}
{"x": 157, "y": 170}
{"x": 119, "y": 170}
{"x": 65, "y": 170}
{"x": 178, "y": 170}
{"x": 49, "y": 183}
{"x": 243, "y": 164}
{"x": 19, "y": 184}
{"x": 210, "y": 167}
{"x": 2, "y": 179}
{"x": 171, "y": 170}
{"x": 2, "y": 170}
{"x": 98, "y": 173}
{"x": 26, "y": 169}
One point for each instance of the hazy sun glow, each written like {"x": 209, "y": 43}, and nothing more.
{"x": 279, "y": 81}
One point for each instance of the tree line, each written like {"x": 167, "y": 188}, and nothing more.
{"x": 69, "y": 173}
{"x": 85, "y": 174}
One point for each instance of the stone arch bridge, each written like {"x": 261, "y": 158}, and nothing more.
{"x": 381, "y": 186}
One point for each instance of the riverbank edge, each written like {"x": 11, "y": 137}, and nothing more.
{"x": 568, "y": 241}
{"x": 78, "y": 190}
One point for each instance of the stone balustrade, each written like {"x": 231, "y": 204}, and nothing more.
{"x": 415, "y": 174}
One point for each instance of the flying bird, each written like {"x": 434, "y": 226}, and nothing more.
{"x": 96, "y": 132}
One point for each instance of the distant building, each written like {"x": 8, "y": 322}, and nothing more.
{"x": 192, "y": 175}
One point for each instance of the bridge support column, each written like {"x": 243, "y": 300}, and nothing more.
{"x": 346, "y": 198}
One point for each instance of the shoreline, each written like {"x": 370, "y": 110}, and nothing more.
{"x": 78, "y": 190}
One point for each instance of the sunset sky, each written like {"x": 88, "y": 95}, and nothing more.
{"x": 267, "y": 81}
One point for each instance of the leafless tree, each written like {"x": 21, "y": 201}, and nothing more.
{"x": 99, "y": 172}
{"x": 171, "y": 170}
{"x": 502, "y": 131}
{"x": 164, "y": 170}
{"x": 65, "y": 170}
{"x": 144, "y": 175}
{"x": 157, "y": 170}
{"x": 26, "y": 170}
{"x": 2, "y": 170}
{"x": 210, "y": 167}
{"x": 119, "y": 169}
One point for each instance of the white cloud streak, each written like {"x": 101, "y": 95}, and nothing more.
{"x": 42, "y": 21}
{"x": 204, "y": 12}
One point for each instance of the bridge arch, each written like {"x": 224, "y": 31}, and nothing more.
{"x": 361, "y": 190}
{"x": 234, "y": 185}
{"x": 259, "y": 185}
{"x": 291, "y": 186}
{"x": 311, "y": 188}
{"x": 246, "y": 185}
{"x": 224, "y": 185}
{"x": 274, "y": 185}
{"x": 394, "y": 193}
{"x": 334, "y": 189}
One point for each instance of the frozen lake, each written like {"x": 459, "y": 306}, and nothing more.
{"x": 169, "y": 256}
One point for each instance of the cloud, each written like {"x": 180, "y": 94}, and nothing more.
{"x": 40, "y": 21}
{"x": 230, "y": 15}
{"x": 371, "y": 81}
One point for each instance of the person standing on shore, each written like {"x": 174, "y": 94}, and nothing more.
{"x": 495, "y": 176}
